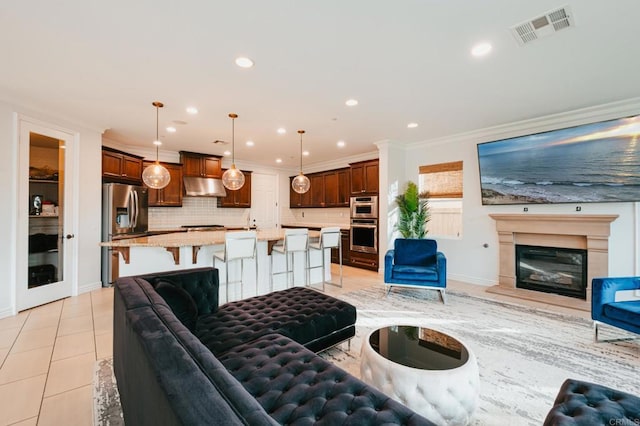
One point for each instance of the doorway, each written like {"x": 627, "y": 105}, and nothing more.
{"x": 45, "y": 243}
{"x": 264, "y": 205}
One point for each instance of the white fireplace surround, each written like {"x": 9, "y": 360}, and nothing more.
{"x": 587, "y": 232}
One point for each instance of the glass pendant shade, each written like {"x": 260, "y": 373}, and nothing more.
{"x": 233, "y": 179}
{"x": 156, "y": 176}
{"x": 300, "y": 183}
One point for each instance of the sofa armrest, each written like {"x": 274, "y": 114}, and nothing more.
{"x": 202, "y": 284}
{"x": 603, "y": 291}
{"x": 442, "y": 268}
{"x": 388, "y": 264}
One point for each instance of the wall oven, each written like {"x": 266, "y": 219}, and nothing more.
{"x": 364, "y": 207}
{"x": 364, "y": 235}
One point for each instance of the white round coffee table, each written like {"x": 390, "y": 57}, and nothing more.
{"x": 430, "y": 372}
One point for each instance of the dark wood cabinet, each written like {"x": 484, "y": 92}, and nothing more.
{"x": 363, "y": 260}
{"x": 364, "y": 177}
{"x": 240, "y": 198}
{"x": 344, "y": 237}
{"x": 121, "y": 167}
{"x": 170, "y": 195}
{"x": 328, "y": 189}
{"x": 201, "y": 165}
{"x": 336, "y": 188}
{"x": 317, "y": 189}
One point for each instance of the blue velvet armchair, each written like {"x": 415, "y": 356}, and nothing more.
{"x": 416, "y": 263}
{"x": 616, "y": 301}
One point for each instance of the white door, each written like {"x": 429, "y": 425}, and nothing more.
{"x": 264, "y": 196}
{"x": 45, "y": 240}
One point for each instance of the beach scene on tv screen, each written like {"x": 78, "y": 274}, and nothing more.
{"x": 598, "y": 162}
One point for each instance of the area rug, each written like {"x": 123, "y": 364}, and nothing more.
{"x": 524, "y": 354}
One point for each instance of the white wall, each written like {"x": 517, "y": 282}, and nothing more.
{"x": 87, "y": 226}
{"x": 468, "y": 260}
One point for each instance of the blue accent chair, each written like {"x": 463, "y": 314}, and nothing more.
{"x": 416, "y": 263}
{"x": 623, "y": 313}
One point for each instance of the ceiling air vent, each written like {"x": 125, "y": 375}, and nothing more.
{"x": 543, "y": 26}
{"x": 219, "y": 142}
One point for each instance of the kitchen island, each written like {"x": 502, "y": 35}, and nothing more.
{"x": 183, "y": 250}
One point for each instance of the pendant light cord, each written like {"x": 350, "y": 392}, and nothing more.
{"x": 301, "y": 132}
{"x": 157, "y": 137}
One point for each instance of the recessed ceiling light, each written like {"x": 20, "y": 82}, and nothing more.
{"x": 192, "y": 110}
{"x": 305, "y": 153}
{"x": 278, "y": 160}
{"x": 481, "y": 49}
{"x": 157, "y": 143}
{"x": 249, "y": 143}
{"x": 281, "y": 131}
{"x": 171, "y": 129}
{"x": 227, "y": 153}
{"x": 412, "y": 125}
{"x": 351, "y": 102}
{"x": 340, "y": 144}
{"x": 244, "y": 62}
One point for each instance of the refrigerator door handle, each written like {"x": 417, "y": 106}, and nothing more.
{"x": 131, "y": 210}
{"x": 137, "y": 213}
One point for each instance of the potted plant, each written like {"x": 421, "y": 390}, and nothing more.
{"x": 413, "y": 213}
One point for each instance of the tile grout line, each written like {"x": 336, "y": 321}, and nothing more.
{"x": 15, "y": 340}
{"x": 50, "y": 360}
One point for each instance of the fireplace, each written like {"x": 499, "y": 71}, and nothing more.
{"x": 556, "y": 270}
{"x": 572, "y": 231}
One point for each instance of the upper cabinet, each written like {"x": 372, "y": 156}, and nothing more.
{"x": 240, "y": 198}
{"x": 170, "y": 195}
{"x": 121, "y": 167}
{"x": 328, "y": 189}
{"x": 336, "y": 188}
{"x": 201, "y": 165}
{"x": 364, "y": 177}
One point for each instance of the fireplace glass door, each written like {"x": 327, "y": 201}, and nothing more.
{"x": 552, "y": 270}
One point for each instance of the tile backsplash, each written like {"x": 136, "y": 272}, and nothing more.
{"x": 205, "y": 211}
{"x": 196, "y": 211}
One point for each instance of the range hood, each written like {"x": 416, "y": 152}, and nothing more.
{"x": 203, "y": 187}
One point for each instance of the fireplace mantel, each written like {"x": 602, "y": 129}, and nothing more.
{"x": 589, "y": 232}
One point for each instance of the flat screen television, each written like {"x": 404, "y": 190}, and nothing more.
{"x": 590, "y": 163}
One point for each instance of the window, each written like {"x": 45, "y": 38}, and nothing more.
{"x": 441, "y": 184}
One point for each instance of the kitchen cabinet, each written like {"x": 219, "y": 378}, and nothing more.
{"x": 344, "y": 237}
{"x": 170, "y": 195}
{"x": 201, "y": 165}
{"x": 121, "y": 167}
{"x": 240, "y": 198}
{"x": 336, "y": 188}
{"x": 364, "y": 177}
{"x": 317, "y": 189}
{"x": 363, "y": 260}
{"x": 328, "y": 189}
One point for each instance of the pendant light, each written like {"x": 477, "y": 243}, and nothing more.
{"x": 300, "y": 183}
{"x": 233, "y": 178}
{"x": 156, "y": 176}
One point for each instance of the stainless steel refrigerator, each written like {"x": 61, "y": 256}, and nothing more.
{"x": 125, "y": 214}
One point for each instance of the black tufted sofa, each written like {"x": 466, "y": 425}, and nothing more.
{"x": 587, "y": 404}
{"x": 180, "y": 359}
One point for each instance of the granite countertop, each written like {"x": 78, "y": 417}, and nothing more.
{"x": 315, "y": 226}
{"x": 189, "y": 239}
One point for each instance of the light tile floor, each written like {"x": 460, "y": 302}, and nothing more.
{"x": 47, "y": 354}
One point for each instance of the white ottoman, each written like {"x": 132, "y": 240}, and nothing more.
{"x": 429, "y": 371}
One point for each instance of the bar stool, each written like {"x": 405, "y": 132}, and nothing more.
{"x": 329, "y": 238}
{"x": 295, "y": 241}
{"x": 238, "y": 246}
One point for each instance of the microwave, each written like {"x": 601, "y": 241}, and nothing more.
{"x": 364, "y": 207}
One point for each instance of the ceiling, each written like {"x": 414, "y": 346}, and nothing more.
{"x": 102, "y": 64}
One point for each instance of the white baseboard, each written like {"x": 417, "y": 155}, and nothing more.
{"x": 7, "y": 312}
{"x": 89, "y": 287}
{"x": 471, "y": 280}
